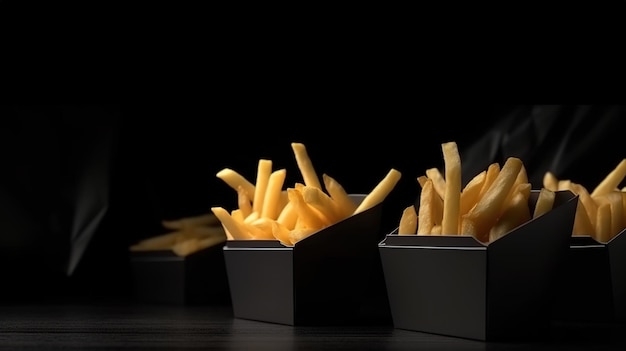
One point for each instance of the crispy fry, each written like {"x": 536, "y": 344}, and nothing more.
{"x": 207, "y": 219}
{"x": 305, "y": 165}
{"x": 380, "y": 192}
{"x": 486, "y": 212}
{"x": 264, "y": 170}
{"x": 515, "y": 214}
{"x": 612, "y": 180}
{"x": 271, "y": 202}
{"x": 439, "y": 182}
{"x": 235, "y": 180}
{"x": 236, "y": 229}
{"x": 550, "y": 181}
{"x": 452, "y": 195}
{"x": 316, "y": 198}
{"x": 427, "y": 210}
{"x": 545, "y": 202}
{"x": 343, "y": 203}
{"x": 408, "y": 221}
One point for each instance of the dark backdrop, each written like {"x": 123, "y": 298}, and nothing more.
{"x": 158, "y": 160}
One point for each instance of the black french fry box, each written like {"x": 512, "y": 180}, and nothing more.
{"x": 162, "y": 277}
{"x": 593, "y": 285}
{"x": 458, "y": 286}
{"x": 331, "y": 277}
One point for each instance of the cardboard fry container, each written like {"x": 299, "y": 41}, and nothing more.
{"x": 332, "y": 277}
{"x": 162, "y": 277}
{"x": 458, "y": 286}
{"x": 592, "y": 287}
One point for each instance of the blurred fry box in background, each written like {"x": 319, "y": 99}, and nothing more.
{"x": 164, "y": 277}
{"x": 458, "y": 286}
{"x": 333, "y": 276}
{"x": 593, "y": 285}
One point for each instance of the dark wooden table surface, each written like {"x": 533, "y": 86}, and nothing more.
{"x": 78, "y": 326}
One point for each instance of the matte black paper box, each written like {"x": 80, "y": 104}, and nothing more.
{"x": 165, "y": 278}
{"x": 458, "y": 286}
{"x": 332, "y": 277}
{"x": 593, "y": 285}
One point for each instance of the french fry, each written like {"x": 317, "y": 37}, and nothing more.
{"x": 603, "y": 223}
{"x": 272, "y": 200}
{"x": 200, "y": 220}
{"x": 305, "y": 165}
{"x": 545, "y": 202}
{"x": 469, "y": 195}
{"x": 281, "y": 233}
{"x": 236, "y": 229}
{"x": 408, "y": 221}
{"x": 550, "y": 181}
{"x": 307, "y": 214}
{"x": 582, "y": 222}
{"x": 493, "y": 170}
{"x": 319, "y": 200}
{"x": 439, "y": 182}
{"x": 288, "y": 216}
{"x": 244, "y": 202}
{"x": 452, "y": 195}
{"x": 159, "y": 242}
{"x": 427, "y": 212}
{"x": 614, "y": 199}
{"x": 486, "y": 212}
{"x": 612, "y": 180}
{"x": 264, "y": 170}
{"x": 342, "y": 201}
{"x": 515, "y": 214}
{"x": 192, "y": 245}
{"x": 380, "y": 192}
{"x": 235, "y": 180}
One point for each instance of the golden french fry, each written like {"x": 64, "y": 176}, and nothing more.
{"x": 492, "y": 173}
{"x": 305, "y": 165}
{"x": 422, "y": 180}
{"x": 550, "y": 181}
{"x": 265, "y": 226}
{"x": 436, "y": 229}
{"x": 439, "y": 183}
{"x": 264, "y": 170}
{"x": 408, "y": 221}
{"x": 545, "y": 202}
{"x": 589, "y": 204}
{"x": 380, "y": 192}
{"x": 244, "y": 202}
{"x": 309, "y": 216}
{"x": 469, "y": 195}
{"x": 319, "y": 200}
{"x": 192, "y": 245}
{"x": 427, "y": 208}
{"x": 614, "y": 199}
{"x": 236, "y": 228}
{"x": 235, "y": 180}
{"x": 564, "y": 184}
{"x": 582, "y": 222}
{"x": 343, "y": 203}
{"x": 301, "y": 233}
{"x": 271, "y": 203}
{"x": 281, "y": 233}
{"x": 603, "y": 223}
{"x": 515, "y": 214}
{"x": 612, "y": 180}
{"x": 200, "y": 220}
{"x": 452, "y": 195}
{"x": 288, "y": 216}
{"x": 159, "y": 242}
{"x": 486, "y": 212}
